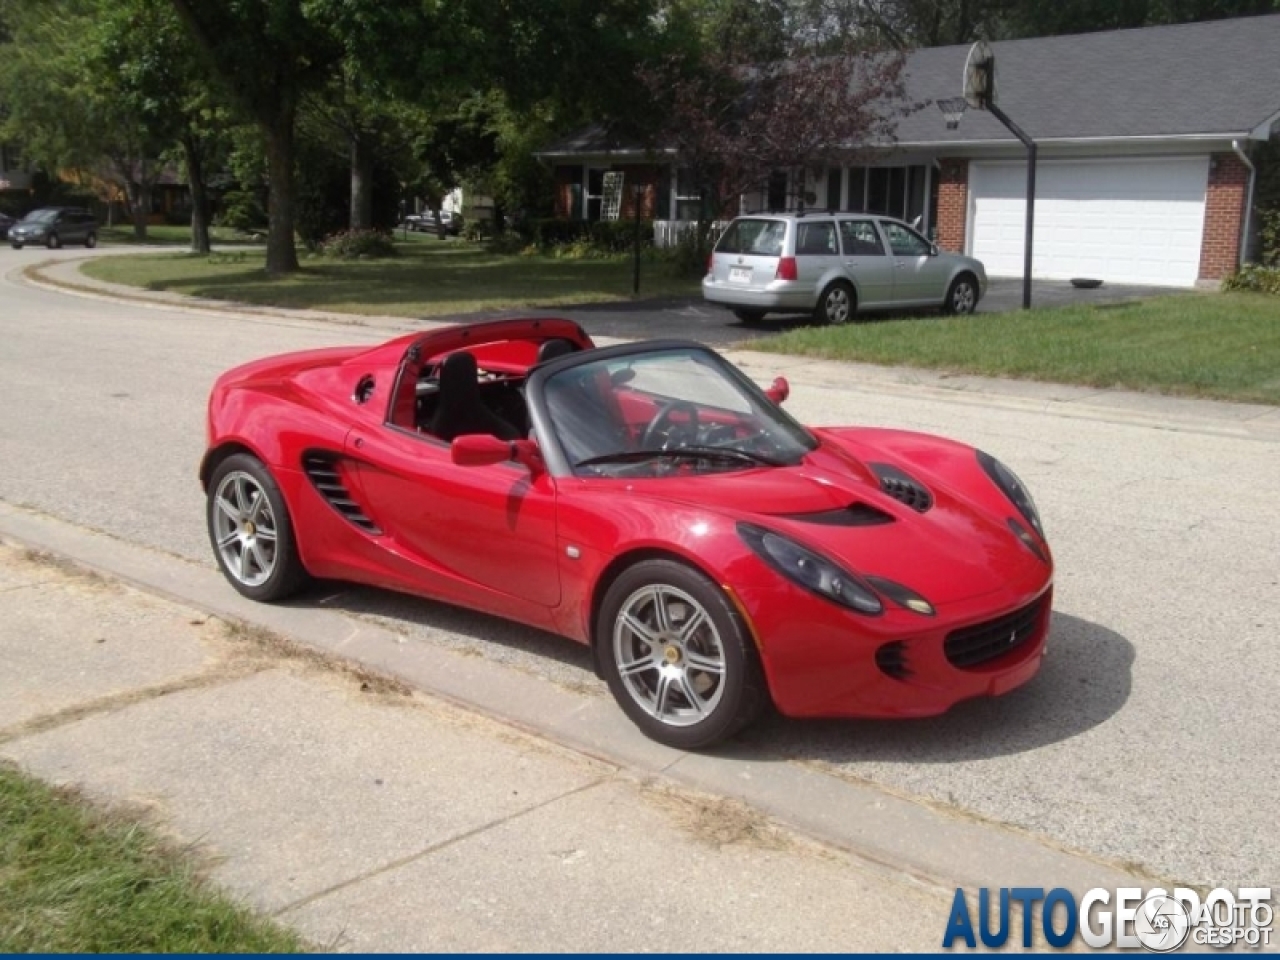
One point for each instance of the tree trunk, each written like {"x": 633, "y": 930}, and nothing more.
{"x": 199, "y": 195}
{"x": 361, "y": 183}
{"x": 282, "y": 255}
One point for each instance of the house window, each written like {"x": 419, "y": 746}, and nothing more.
{"x": 856, "y": 200}
{"x": 835, "y": 182}
{"x": 893, "y": 191}
{"x": 595, "y": 192}
{"x": 777, "y": 190}
{"x": 688, "y": 196}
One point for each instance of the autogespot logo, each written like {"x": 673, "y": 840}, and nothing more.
{"x": 1128, "y": 917}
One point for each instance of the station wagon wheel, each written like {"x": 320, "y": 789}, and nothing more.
{"x": 677, "y": 656}
{"x": 53, "y": 242}
{"x": 837, "y": 304}
{"x": 250, "y": 530}
{"x": 962, "y": 298}
{"x": 91, "y": 240}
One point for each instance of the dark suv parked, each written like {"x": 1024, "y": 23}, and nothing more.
{"x": 54, "y": 226}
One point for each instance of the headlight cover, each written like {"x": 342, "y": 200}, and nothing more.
{"x": 810, "y": 570}
{"x": 1013, "y": 488}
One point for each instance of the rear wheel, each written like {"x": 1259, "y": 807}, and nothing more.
{"x": 837, "y": 304}
{"x": 749, "y": 316}
{"x": 53, "y": 243}
{"x": 250, "y": 530}
{"x": 91, "y": 240}
{"x": 962, "y": 297}
{"x": 677, "y": 656}
{"x": 16, "y": 246}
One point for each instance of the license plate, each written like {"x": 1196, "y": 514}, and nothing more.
{"x": 739, "y": 274}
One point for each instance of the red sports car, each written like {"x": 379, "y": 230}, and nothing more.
{"x": 648, "y": 500}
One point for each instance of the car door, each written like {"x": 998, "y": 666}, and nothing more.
{"x": 817, "y": 254}
{"x": 918, "y": 277}
{"x": 866, "y": 262}
{"x": 491, "y": 527}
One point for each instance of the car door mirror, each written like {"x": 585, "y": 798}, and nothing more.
{"x": 779, "y": 390}
{"x": 484, "y": 449}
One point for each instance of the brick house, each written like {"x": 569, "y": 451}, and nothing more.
{"x": 1147, "y": 140}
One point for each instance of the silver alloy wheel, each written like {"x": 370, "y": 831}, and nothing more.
{"x": 962, "y": 297}
{"x": 837, "y": 305}
{"x": 244, "y": 528}
{"x": 669, "y": 655}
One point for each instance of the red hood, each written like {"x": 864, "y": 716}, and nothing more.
{"x": 957, "y": 550}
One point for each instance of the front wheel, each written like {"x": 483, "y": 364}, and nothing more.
{"x": 677, "y": 655}
{"x": 53, "y": 242}
{"x": 962, "y": 297}
{"x": 250, "y": 530}
{"x": 16, "y": 246}
{"x": 837, "y": 304}
{"x": 91, "y": 241}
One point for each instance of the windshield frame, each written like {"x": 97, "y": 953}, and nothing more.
{"x": 558, "y": 464}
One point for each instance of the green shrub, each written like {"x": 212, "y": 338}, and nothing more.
{"x": 577, "y": 239}
{"x": 354, "y": 244}
{"x": 1269, "y": 237}
{"x": 1256, "y": 277}
{"x": 240, "y": 210}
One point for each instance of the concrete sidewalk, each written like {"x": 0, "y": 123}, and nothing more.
{"x": 374, "y": 818}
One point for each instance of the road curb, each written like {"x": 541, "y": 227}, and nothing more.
{"x": 938, "y": 847}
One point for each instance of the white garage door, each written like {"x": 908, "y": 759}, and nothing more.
{"x": 1123, "y": 221}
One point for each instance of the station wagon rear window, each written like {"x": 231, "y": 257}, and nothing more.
{"x": 758, "y": 237}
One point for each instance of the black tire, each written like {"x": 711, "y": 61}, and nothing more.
{"x": 16, "y": 246}
{"x": 838, "y": 304}
{"x": 739, "y": 693}
{"x": 53, "y": 243}
{"x": 287, "y": 575}
{"x": 91, "y": 241}
{"x": 749, "y": 316}
{"x": 962, "y": 296}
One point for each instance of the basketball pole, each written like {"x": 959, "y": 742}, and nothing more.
{"x": 1031, "y": 197}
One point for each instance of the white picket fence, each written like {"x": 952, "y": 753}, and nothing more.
{"x": 668, "y": 233}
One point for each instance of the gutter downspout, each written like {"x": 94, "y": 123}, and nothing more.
{"x": 1248, "y": 204}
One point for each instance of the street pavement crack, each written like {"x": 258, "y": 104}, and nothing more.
{"x": 441, "y": 845}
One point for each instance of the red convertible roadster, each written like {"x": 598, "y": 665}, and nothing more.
{"x": 648, "y": 500}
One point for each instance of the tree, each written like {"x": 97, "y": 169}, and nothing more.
{"x": 732, "y": 125}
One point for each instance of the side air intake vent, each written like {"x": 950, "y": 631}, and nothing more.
{"x": 903, "y": 486}
{"x": 322, "y": 470}
{"x": 892, "y": 660}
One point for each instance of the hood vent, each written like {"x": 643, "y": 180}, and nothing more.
{"x": 902, "y": 486}
{"x": 854, "y": 515}
{"x": 322, "y": 470}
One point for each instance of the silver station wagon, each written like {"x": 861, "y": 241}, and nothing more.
{"x": 835, "y": 265}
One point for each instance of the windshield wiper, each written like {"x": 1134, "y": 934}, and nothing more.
{"x": 685, "y": 453}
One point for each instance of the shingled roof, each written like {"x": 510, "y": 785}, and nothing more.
{"x": 1216, "y": 80}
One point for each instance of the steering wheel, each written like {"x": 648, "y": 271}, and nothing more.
{"x": 661, "y": 427}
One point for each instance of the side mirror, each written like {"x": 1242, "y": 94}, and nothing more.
{"x": 484, "y": 449}
{"x": 779, "y": 390}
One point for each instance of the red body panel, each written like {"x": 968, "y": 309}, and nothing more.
{"x": 534, "y": 547}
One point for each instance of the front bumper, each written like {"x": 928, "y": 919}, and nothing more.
{"x": 821, "y": 661}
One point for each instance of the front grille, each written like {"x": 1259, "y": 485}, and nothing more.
{"x": 903, "y": 487}
{"x": 973, "y": 646}
{"x": 322, "y": 470}
{"x": 892, "y": 660}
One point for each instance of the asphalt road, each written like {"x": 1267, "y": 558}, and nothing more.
{"x": 1149, "y": 736}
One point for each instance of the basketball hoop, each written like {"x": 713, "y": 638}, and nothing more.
{"x": 953, "y": 110}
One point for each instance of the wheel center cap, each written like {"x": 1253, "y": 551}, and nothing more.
{"x": 249, "y": 528}
{"x": 672, "y": 654}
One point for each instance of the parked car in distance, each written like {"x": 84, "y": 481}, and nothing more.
{"x": 835, "y": 265}
{"x": 445, "y": 223}
{"x": 6, "y": 222}
{"x": 54, "y": 226}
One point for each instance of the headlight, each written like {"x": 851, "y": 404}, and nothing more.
{"x": 810, "y": 570}
{"x": 1013, "y": 488}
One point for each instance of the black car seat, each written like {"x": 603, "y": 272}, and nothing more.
{"x": 460, "y": 409}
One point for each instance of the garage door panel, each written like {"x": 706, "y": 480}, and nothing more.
{"x": 1135, "y": 221}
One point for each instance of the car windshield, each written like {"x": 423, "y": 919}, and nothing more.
{"x": 670, "y": 412}
{"x": 41, "y": 216}
{"x": 756, "y": 237}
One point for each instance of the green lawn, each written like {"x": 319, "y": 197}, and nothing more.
{"x": 428, "y": 278}
{"x": 76, "y": 880}
{"x": 165, "y": 235}
{"x": 1225, "y": 346}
